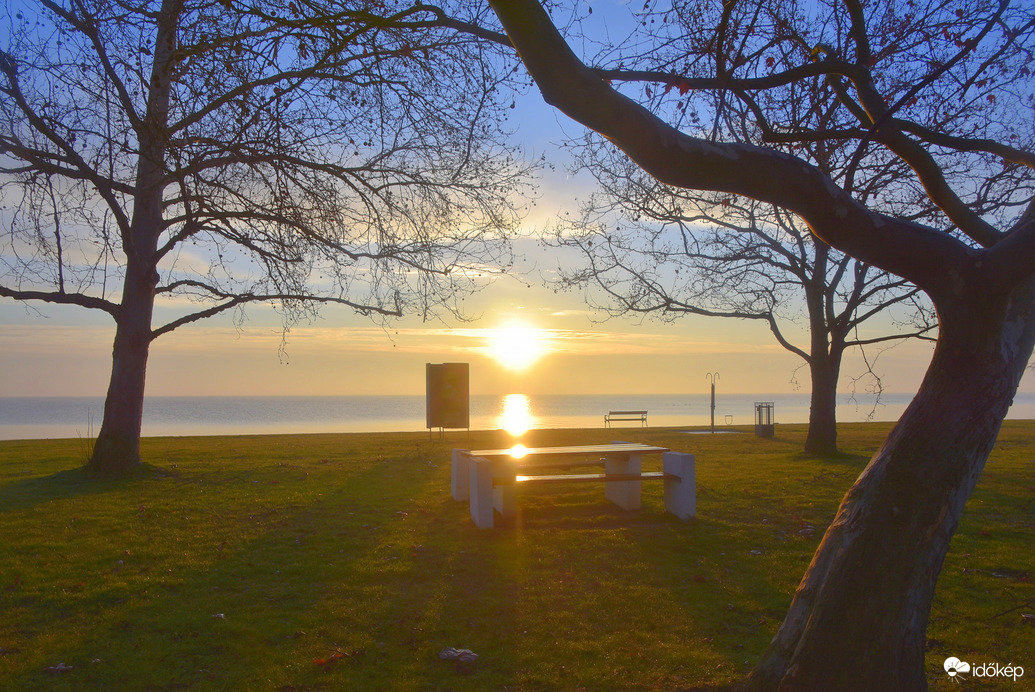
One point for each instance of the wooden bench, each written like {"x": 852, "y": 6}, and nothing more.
{"x": 488, "y": 478}
{"x": 612, "y": 416}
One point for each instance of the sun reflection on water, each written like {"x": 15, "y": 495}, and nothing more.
{"x": 516, "y": 415}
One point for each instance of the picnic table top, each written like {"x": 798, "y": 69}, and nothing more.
{"x": 574, "y": 450}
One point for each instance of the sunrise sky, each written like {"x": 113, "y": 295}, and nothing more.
{"x": 565, "y": 348}
{"x": 56, "y": 351}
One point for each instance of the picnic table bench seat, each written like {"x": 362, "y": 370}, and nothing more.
{"x": 488, "y": 478}
{"x": 605, "y": 477}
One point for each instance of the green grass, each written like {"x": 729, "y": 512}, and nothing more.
{"x": 242, "y": 562}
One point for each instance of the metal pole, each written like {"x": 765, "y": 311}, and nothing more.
{"x": 713, "y": 376}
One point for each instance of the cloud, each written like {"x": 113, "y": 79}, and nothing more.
{"x": 445, "y": 342}
{"x": 476, "y": 340}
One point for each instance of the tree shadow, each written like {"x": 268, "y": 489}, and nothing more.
{"x": 377, "y": 570}
{"x": 64, "y": 485}
{"x": 858, "y": 461}
{"x": 282, "y": 586}
{"x": 714, "y": 588}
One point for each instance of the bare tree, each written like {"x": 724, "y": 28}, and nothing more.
{"x": 946, "y": 88}
{"x": 654, "y": 250}
{"x": 204, "y": 155}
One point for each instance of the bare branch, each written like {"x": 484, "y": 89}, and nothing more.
{"x": 231, "y": 301}
{"x": 61, "y": 298}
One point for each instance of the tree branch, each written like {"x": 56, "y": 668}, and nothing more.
{"x": 919, "y": 159}
{"x": 62, "y": 298}
{"x": 907, "y": 249}
{"x": 234, "y": 300}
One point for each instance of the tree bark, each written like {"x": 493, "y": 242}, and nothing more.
{"x": 117, "y": 448}
{"x": 824, "y": 360}
{"x": 118, "y": 444}
{"x": 822, "y": 436}
{"x": 859, "y": 616}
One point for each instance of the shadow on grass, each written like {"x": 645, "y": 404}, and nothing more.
{"x": 323, "y": 571}
{"x": 699, "y": 583}
{"x": 63, "y": 485}
{"x": 337, "y": 576}
{"x": 856, "y": 461}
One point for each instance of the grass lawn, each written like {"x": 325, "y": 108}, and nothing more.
{"x": 340, "y": 562}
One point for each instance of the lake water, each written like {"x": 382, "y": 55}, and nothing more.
{"x": 72, "y": 417}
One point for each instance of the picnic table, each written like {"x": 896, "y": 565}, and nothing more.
{"x": 488, "y": 478}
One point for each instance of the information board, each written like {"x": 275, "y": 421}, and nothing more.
{"x": 448, "y": 398}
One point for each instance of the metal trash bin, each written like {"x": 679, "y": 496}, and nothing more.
{"x": 765, "y": 426}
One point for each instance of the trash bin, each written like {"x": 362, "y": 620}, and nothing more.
{"x": 764, "y": 424}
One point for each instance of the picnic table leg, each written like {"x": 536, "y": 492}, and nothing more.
{"x": 681, "y": 492}
{"x": 461, "y": 475}
{"x": 625, "y": 494}
{"x": 481, "y": 492}
{"x": 504, "y": 499}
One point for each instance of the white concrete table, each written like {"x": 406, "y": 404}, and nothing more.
{"x": 488, "y": 478}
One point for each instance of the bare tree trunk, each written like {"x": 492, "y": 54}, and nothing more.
{"x": 822, "y": 436}
{"x": 118, "y": 444}
{"x": 858, "y": 619}
{"x": 117, "y": 448}
{"x": 824, "y": 361}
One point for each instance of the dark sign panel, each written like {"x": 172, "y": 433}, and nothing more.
{"x": 449, "y": 395}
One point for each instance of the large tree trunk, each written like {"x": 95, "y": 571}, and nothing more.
{"x": 117, "y": 448}
{"x": 118, "y": 445}
{"x": 824, "y": 360}
{"x": 822, "y": 436}
{"x": 859, "y": 617}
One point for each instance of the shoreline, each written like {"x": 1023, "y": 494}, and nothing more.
{"x": 459, "y": 435}
{"x": 80, "y": 417}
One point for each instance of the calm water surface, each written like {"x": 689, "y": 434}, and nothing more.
{"x": 72, "y": 417}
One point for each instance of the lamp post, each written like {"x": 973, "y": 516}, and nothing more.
{"x": 713, "y": 376}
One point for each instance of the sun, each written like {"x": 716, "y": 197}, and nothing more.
{"x": 517, "y": 346}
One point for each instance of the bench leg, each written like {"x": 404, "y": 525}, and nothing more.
{"x": 461, "y": 475}
{"x": 504, "y": 499}
{"x": 625, "y": 494}
{"x": 680, "y": 493}
{"x": 481, "y": 492}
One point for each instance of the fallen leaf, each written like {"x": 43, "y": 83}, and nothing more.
{"x": 460, "y": 655}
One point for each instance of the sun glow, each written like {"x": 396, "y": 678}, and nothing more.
{"x": 516, "y": 417}
{"x": 517, "y": 346}
{"x": 518, "y": 451}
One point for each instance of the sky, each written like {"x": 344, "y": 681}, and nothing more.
{"x": 551, "y": 342}
{"x": 48, "y": 350}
